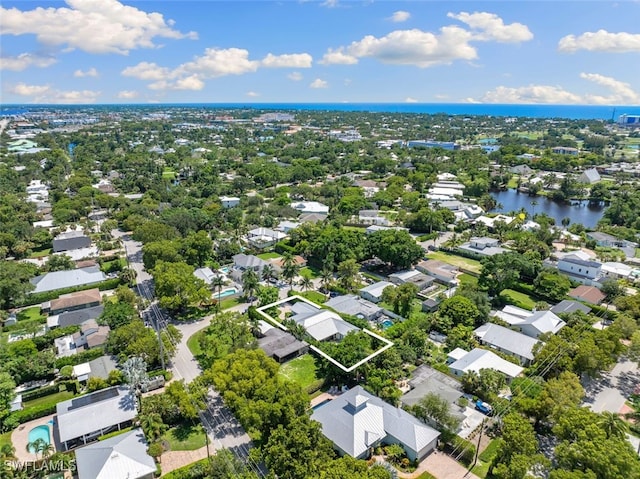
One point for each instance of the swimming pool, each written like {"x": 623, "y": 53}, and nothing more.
{"x": 224, "y": 270}
{"x": 226, "y": 292}
{"x": 39, "y": 432}
{"x": 387, "y": 323}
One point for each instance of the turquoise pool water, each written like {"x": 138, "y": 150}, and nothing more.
{"x": 224, "y": 270}
{"x": 386, "y": 324}
{"x": 39, "y": 432}
{"x": 226, "y": 292}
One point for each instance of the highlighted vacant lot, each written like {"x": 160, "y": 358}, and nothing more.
{"x": 300, "y": 370}
{"x": 467, "y": 263}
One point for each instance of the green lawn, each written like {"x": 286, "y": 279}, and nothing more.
{"x": 185, "y": 437}
{"x": 309, "y": 272}
{"x": 301, "y": 370}
{"x": 30, "y": 313}
{"x": 465, "y": 278}
{"x": 426, "y": 475}
{"x": 40, "y": 253}
{"x": 229, "y": 303}
{"x": 466, "y": 263}
{"x": 51, "y": 398}
{"x": 168, "y": 174}
{"x": 268, "y": 256}
{"x": 482, "y": 468}
{"x": 193, "y": 343}
{"x": 513, "y": 182}
{"x": 314, "y": 296}
{"x": 518, "y": 299}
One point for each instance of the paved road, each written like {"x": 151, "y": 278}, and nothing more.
{"x": 609, "y": 392}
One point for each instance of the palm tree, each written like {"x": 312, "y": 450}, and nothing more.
{"x": 152, "y": 425}
{"x": 290, "y": 268}
{"x": 217, "y": 282}
{"x": 36, "y": 447}
{"x": 326, "y": 277}
{"x": 306, "y": 283}
{"x": 613, "y": 425}
{"x": 268, "y": 272}
{"x": 128, "y": 275}
{"x": 249, "y": 282}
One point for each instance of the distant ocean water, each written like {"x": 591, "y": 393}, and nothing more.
{"x": 576, "y": 112}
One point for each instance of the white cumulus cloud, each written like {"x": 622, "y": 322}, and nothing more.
{"x": 253, "y": 94}
{"x": 615, "y": 93}
{"x": 47, "y": 94}
{"x": 601, "y": 41}
{"x": 319, "y": 83}
{"x": 26, "y": 60}
{"x": 410, "y": 100}
{"x": 400, "y": 16}
{"x": 338, "y": 57}
{"x": 94, "y": 26}
{"x": 292, "y": 60}
{"x": 295, "y": 76}
{"x": 91, "y": 72}
{"x": 146, "y": 71}
{"x": 490, "y": 27}
{"x": 127, "y": 94}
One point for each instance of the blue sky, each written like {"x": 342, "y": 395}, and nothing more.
{"x": 110, "y": 51}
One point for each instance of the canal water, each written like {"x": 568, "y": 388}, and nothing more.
{"x": 512, "y": 200}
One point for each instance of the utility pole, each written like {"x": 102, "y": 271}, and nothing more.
{"x": 475, "y": 459}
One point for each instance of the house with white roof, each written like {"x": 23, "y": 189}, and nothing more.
{"x": 589, "y": 176}
{"x": 490, "y": 222}
{"x": 478, "y": 359}
{"x": 261, "y": 238}
{"x": 617, "y": 270}
{"x": 321, "y": 324}
{"x": 540, "y": 322}
{"x": 421, "y": 280}
{"x": 355, "y": 306}
{"x": 122, "y": 456}
{"x": 357, "y": 422}
{"x": 83, "y": 419}
{"x": 229, "y": 201}
{"x": 67, "y": 279}
{"x": 310, "y": 207}
{"x": 507, "y": 341}
{"x": 373, "y": 292}
{"x": 483, "y": 246}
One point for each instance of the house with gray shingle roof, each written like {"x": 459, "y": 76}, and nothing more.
{"x": 354, "y": 306}
{"x": 357, "y": 421}
{"x": 507, "y": 341}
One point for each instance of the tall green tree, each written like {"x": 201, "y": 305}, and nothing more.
{"x": 14, "y": 282}
{"x": 176, "y": 286}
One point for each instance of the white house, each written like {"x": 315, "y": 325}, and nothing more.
{"x": 589, "y": 176}
{"x": 478, "y": 359}
{"x": 229, "y": 201}
{"x": 373, "y": 292}
{"x": 310, "y": 207}
{"x": 580, "y": 269}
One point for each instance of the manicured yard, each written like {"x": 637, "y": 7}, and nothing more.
{"x": 185, "y": 437}
{"x": 482, "y": 468}
{"x": 229, "y": 303}
{"x": 193, "y": 343}
{"x": 41, "y": 253}
{"x": 314, "y": 296}
{"x": 513, "y": 182}
{"x": 518, "y": 299}
{"x": 301, "y": 370}
{"x": 466, "y": 263}
{"x": 51, "y": 398}
{"x": 168, "y": 174}
{"x": 30, "y": 313}
{"x": 268, "y": 256}
{"x": 426, "y": 475}
{"x": 465, "y": 278}
{"x": 308, "y": 272}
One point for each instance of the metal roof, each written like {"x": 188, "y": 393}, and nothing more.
{"x": 506, "y": 340}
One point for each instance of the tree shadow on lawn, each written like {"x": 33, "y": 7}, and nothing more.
{"x": 182, "y": 432}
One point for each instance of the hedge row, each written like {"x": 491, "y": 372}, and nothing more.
{"x": 38, "y": 393}
{"x": 37, "y": 298}
{"x": 31, "y": 413}
{"x": 79, "y": 358}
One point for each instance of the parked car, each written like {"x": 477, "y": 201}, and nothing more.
{"x": 483, "y": 407}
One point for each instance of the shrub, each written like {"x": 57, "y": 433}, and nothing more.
{"x": 79, "y": 358}
{"x": 38, "y": 393}
{"x": 35, "y": 412}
